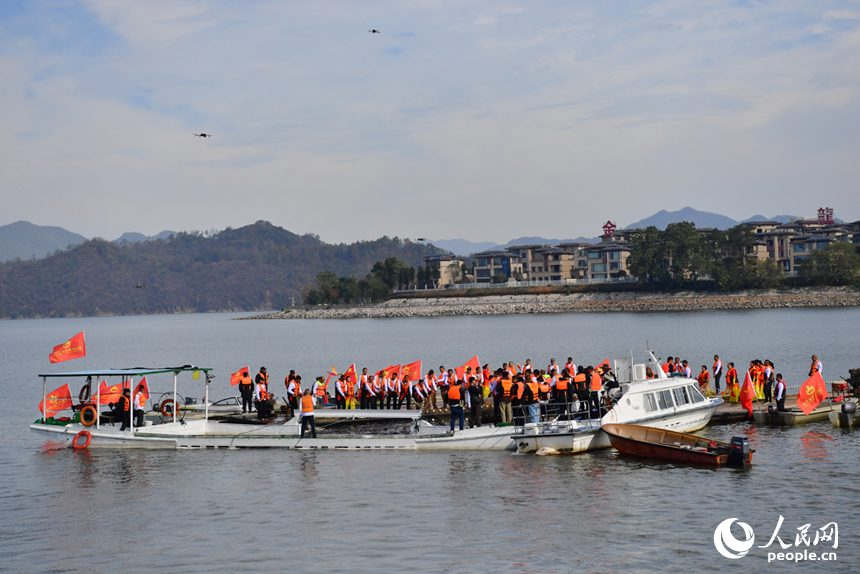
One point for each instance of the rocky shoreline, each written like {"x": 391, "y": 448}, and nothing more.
{"x": 578, "y": 303}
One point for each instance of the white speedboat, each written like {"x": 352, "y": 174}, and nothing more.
{"x": 673, "y": 403}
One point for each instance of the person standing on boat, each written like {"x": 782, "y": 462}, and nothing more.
{"x": 685, "y": 368}
{"x": 319, "y": 391}
{"x": 570, "y": 366}
{"x": 261, "y": 394}
{"x": 580, "y": 387}
{"x": 504, "y": 395}
{"x": 368, "y": 397}
{"x": 294, "y": 392}
{"x": 718, "y": 372}
{"x": 815, "y": 367}
{"x": 595, "y": 384}
{"x": 668, "y": 367}
{"x": 780, "y": 392}
{"x": 457, "y": 397}
{"x": 476, "y": 403}
{"x": 768, "y": 380}
{"x": 139, "y": 404}
{"x": 340, "y": 392}
{"x": 561, "y": 392}
{"x": 431, "y": 388}
{"x": 308, "y": 413}
{"x": 246, "y": 389}
{"x": 379, "y": 390}
{"x": 530, "y": 398}
{"x": 350, "y": 389}
{"x": 553, "y": 369}
{"x": 703, "y": 379}
{"x": 123, "y": 407}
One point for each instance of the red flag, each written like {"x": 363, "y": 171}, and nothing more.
{"x": 74, "y": 348}
{"x": 747, "y": 394}
{"x": 145, "y": 389}
{"x": 812, "y": 392}
{"x": 58, "y": 399}
{"x": 413, "y": 370}
{"x": 109, "y": 394}
{"x": 350, "y": 374}
{"x": 473, "y": 362}
{"x": 237, "y": 377}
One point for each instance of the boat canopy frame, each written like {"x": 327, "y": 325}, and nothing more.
{"x": 128, "y": 374}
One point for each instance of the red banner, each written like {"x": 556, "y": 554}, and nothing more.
{"x": 747, "y": 394}
{"x": 58, "y": 399}
{"x": 237, "y": 377}
{"x": 74, "y": 348}
{"x": 350, "y": 374}
{"x": 812, "y": 392}
{"x": 473, "y": 363}
{"x": 108, "y": 394}
{"x": 413, "y": 370}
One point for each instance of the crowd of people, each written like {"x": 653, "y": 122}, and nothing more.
{"x": 521, "y": 392}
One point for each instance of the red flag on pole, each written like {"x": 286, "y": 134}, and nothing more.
{"x": 350, "y": 374}
{"x": 74, "y": 348}
{"x": 474, "y": 363}
{"x": 413, "y": 370}
{"x": 812, "y": 392}
{"x": 237, "y": 377}
{"x": 58, "y": 399}
{"x": 747, "y": 394}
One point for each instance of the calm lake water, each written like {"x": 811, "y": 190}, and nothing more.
{"x": 277, "y": 510}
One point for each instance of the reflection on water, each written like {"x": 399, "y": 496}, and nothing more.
{"x": 814, "y": 445}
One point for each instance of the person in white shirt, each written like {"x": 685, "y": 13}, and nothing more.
{"x": 718, "y": 372}
{"x": 140, "y": 405}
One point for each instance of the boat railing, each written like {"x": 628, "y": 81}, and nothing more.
{"x": 555, "y": 415}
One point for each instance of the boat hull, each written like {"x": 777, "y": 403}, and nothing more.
{"x": 793, "y": 417}
{"x": 591, "y": 438}
{"x": 481, "y": 438}
{"x": 670, "y": 446}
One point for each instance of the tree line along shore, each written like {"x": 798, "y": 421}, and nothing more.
{"x": 499, "y": 304}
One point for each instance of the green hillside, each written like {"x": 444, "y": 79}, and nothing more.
{"x": 260, "y": 266}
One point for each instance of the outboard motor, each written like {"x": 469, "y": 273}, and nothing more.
{"x": 846, "y": 417}
{"x": 740, "y": 453}
{"x": 771, "y": 412}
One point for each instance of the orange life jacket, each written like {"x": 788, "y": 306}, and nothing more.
{"x": 732, "y": 376}
{"x": 561, "y": 384}
{"x": 321, "y": 389}
{"x": 350, "y": 389}
{"x": 264, "y": 392}
{"x": 454, "y": 393}
{"x": 507, "y": 385}
{"x": 307, "y": 404}
{"x": 596, "y": 382}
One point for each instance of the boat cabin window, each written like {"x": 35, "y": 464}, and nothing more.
{"x": 664, "y": 399}
{"x": 681, "y": 397}
{"x": 650, "y": 402}
{"x": 695, "y": 394}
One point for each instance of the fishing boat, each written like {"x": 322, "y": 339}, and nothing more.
{"x": 667, "y": 402}
{"x": 336, "y": 429}
{"x": 662, "y": 444}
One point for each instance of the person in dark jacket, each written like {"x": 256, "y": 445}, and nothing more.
{"x": 476, "y": 398}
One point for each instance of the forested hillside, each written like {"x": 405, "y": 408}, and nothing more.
{"x": 260, "y": 266}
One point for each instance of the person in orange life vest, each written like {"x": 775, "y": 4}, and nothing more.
{"x": 350, "y": 392}
{"x": 527, "y": 367}
{"x": 649, "y": 373}
{"x": 529, "y": 399}
{"x": 290, "y": 378}
{"x": 457, "y": 398}
{"x": 768, "y": 380}
{"x": 432, "y": 389}
{"x": 816, "y": 366}
{"x": 319, "y": 391}
{"x": 732, "y": 393}
{"x": 595, "y": 385}
{"x": 262, "y": 399}
{"x": 139, "y": 405}
{"x": 340, "y": 392}
{"x": 685, "y": 368}
{"x": 389, "y": 388}
{"x": 476, "y": 402}
{"x": 379, "y": 389}
{"x": 570, "y": 366}
{"x": 294, "y": 391}
{"x": 704, "y": 378}
{"x": 504, "y": 392}
{"x": 247, "y": 388}
{"x": 307, "y": 404}
{"x": 553, "y": 369}
{"x": 368, "y": 396}
{"x": 562, "y": 391}
{"x": 410, "y": 390}
{"x": 443, "y": 385}
{"x": 677, "y": 366}
{"x": 668, "y": 366}
{"x": 580, "y": 388}
{"x": 780, "y": 392}
{"x": 123, "y": 407}
{"x": 396, "y": 384}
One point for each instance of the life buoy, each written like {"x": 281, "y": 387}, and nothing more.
{"x": 167, "y": 408}
{"x": 85, "y": 434}
{"x": 93, "y": 416}
{"x": 85, "y": 393}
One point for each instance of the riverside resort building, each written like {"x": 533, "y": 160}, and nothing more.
{"x": 788, "y": 244}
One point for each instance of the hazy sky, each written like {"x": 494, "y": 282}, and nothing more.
{"x": 480, "y": 120}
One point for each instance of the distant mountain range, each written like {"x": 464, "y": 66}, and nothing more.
{"x": 30, "y": 241}
{"x": 702, "y": 219}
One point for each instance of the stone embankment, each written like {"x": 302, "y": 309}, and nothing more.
{"x": 577, "y": 303}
